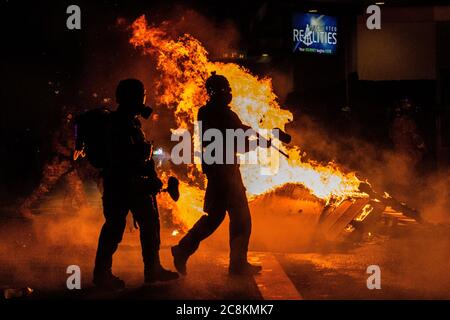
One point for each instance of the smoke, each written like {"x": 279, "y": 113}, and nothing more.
{"x": 218, "y": 37}
{"x": 416, "y": 252}
{"x": 433, "y": 198}
{"x": 384, "y": 168}
{"x": 37, "y": 252}
{"x": 61, "y": 228}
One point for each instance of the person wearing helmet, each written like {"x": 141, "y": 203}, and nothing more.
{"x": 225, "y": 191}
{"x": 129, "y": 181}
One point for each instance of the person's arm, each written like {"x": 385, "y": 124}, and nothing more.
{"x": 201, "y": 119}
{"x": 236, "y": 124}
{"x": 206, "y": 169}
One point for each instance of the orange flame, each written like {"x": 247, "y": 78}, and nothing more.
{"x": 184, "y": 66}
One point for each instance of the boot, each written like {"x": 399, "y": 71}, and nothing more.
{"x": 158, "y": 273}
{"x": 179, "y": 259}
{"x": 108, "y": 281}
{"x": 244, "y": 269}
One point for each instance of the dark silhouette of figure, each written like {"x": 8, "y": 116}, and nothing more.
{"x": 409, "y": 150}
{"x": 405, "y": 135}
{"x": 225, "y": 191}
{"x": 130, "y": 184}
{"x": 61, "y": 166}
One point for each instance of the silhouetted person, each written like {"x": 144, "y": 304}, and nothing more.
{"x": 225, "y": 191}
{"x": 61, "y": 166}
{"x": 409, "y": 151}
{"x": 407, "y": 140}
{"x": 130, "y": 183}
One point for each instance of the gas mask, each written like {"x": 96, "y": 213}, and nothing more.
{"x": 141, "y": 109}
{"x": 222, "y": 96}
{"x": 145, "y": 111}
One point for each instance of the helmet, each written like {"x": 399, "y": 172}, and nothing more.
{"x": 130, "y": 94}
{"x": 218, "y": 88}
{"x": 217, "y": 83}
{"x": 130, "y": 91}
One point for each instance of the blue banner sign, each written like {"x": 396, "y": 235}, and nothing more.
{"x": 315, "y": 33}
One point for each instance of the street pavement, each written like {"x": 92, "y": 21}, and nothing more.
{"x": 414, "y": 265}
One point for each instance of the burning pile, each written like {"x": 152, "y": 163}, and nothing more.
{"x": 184, "y": 66}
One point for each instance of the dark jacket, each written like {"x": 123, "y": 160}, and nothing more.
{"x": 222, "y": 118}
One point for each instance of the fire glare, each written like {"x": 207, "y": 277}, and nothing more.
{"x": 184, "y": 66}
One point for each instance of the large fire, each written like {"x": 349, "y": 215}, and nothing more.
{"x": 184, "y": 66}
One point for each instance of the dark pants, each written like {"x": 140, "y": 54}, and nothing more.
{"x": 118, "y": 199}
{"x": 224, "y": 193}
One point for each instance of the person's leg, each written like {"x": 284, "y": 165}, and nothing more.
{"x": 147, "y": 218}
{"x": 52, "y": 172}
{"x": 215, "y": 207}
{"x": 240, "y": 230}
{"x": 115, "y": 210}
{"x": 145, "y": 212}
{"x": 202, "y": 229}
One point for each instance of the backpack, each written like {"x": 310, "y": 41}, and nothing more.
{"x": 93, "y": 135}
